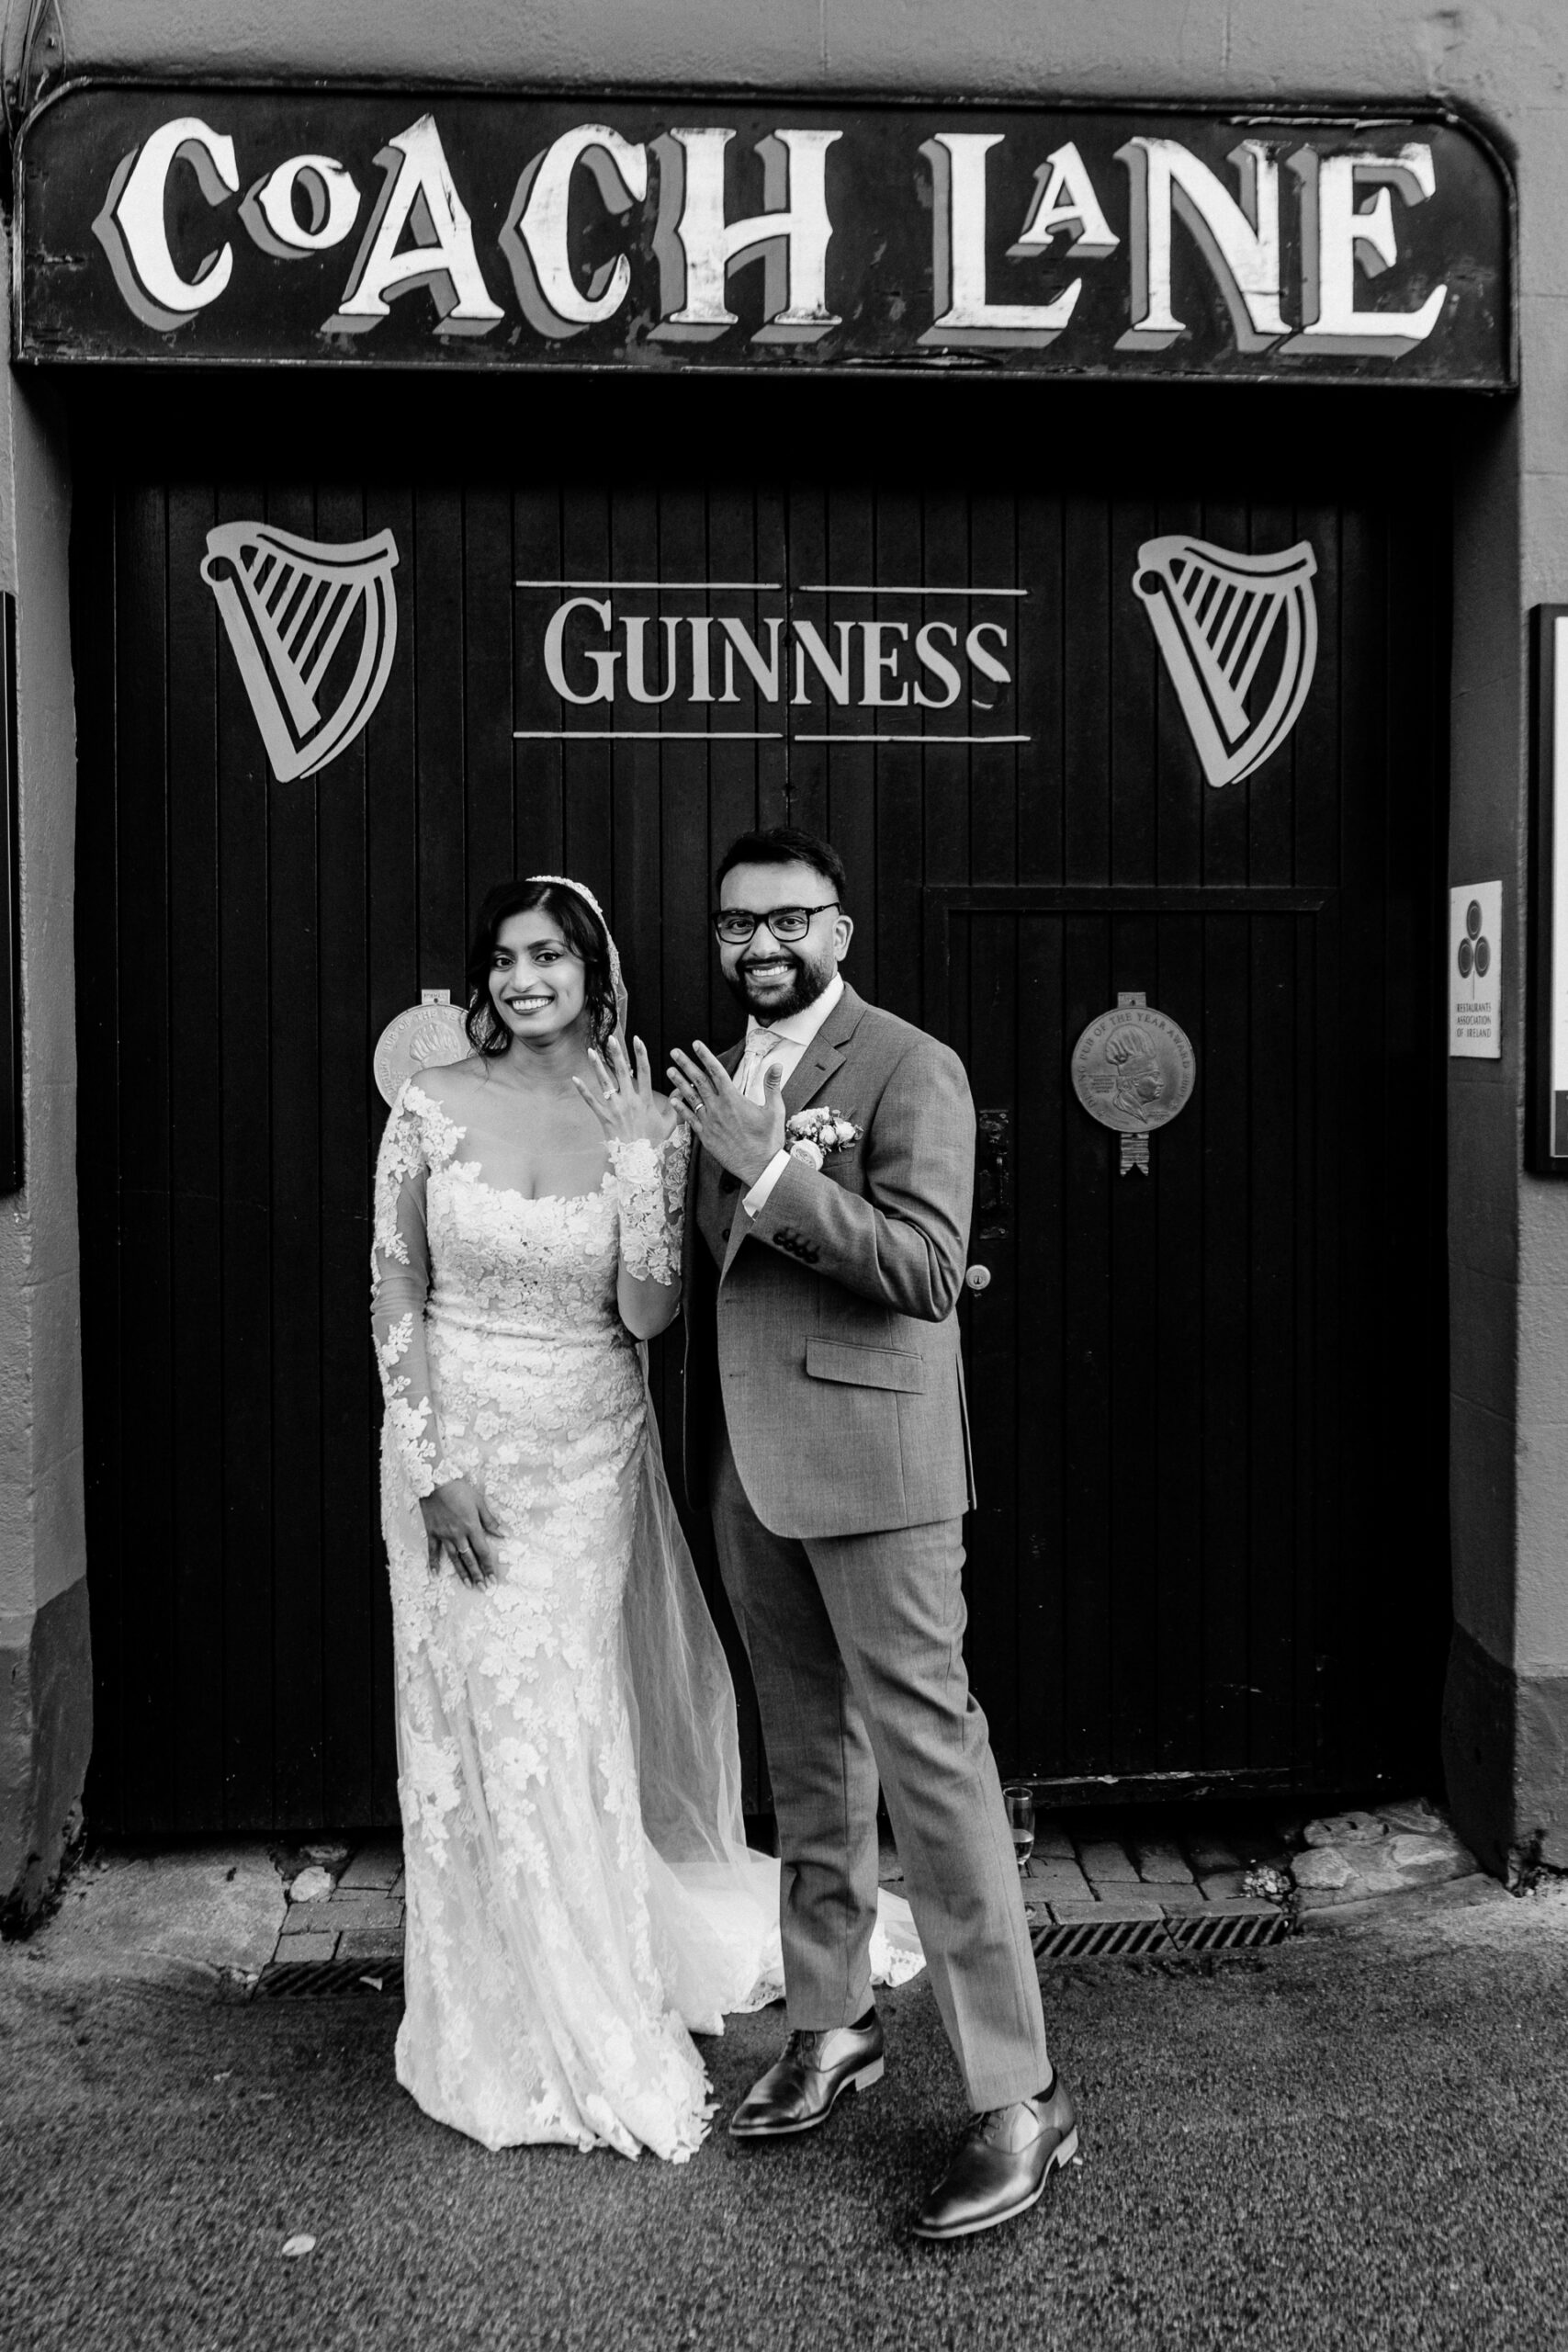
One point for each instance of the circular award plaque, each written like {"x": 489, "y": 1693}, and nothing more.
{"x": 425, "y": 1037}
{"x": 1133, "y": 1068}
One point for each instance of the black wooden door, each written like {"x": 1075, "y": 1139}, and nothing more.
{"x": 1208, "y": 1401}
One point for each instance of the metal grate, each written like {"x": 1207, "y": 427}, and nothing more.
{"x": 1189, "y": 1931}
{"x": 287, "y": 1980}
{"x": 313, "y": 1980}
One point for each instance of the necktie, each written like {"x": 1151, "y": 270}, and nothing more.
{"x": 762, "y": 1048}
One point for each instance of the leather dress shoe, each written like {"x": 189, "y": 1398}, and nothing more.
{"x": 1001, "y": 2165}
{"x": 815, "y": 2071}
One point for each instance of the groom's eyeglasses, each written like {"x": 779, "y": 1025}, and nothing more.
{"x": 734, "y": 925}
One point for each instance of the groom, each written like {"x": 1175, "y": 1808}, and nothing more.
{"x": 826, "y": 1427}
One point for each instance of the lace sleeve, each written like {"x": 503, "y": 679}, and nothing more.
{"x": 400, "y": 1285}
{"x": 651, "y": 1185}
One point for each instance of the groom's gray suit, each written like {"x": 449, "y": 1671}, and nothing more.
{"x": 825, "y": 1427}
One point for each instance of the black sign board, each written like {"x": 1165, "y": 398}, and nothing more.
{"x": 458, "y": 230}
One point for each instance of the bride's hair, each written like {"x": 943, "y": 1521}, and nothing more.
{"x": 583, "y": 933}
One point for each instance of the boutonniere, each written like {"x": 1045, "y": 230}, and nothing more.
{"x": 816, "y": 1136}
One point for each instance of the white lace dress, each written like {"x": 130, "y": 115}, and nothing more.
{"x": 555, "y": 1959}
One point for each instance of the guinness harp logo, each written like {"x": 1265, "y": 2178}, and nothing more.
{"x": 303, "y": 619}
{"x": 1218, "y": 618}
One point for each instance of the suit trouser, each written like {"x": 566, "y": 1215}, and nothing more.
{"x": 856, "y": 1645}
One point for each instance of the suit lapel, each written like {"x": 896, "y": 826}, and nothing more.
{"x": 811, "y": 1073}
{"x": 824, "y": 1053}
{"x": 809, "y": 1076}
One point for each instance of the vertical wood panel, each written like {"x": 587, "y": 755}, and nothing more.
{"x": 294, "y": 1306}
{"x": 1272, "y": 1499}
{"x": 1046, "y": 1375}
{"x": 353, "y": 1579}
{"x": 1087, "y": 1465}
{"x": 889, "y": 887}
{"x": 587, "y": 769}
{"x": 146, "y": 1366}
{"x": 538, "y": 766}
{"x": 245, "y": 992}
{"x": 1180, "y": 1367}
{"x": 1041, "y": 779}
{"x": 1184, "y": 793}
{"x": 1365, "y": 1103}
{"x": 487, "y": 659}
{"x": 195, "y": 1053}
{"x": 1134, "y": 1504}
{"x": 396, "y": 976}
{"x": 993, "y": 1335}
{"x": 846, "y": 813}
{"x": 1227, "y": 1306}
{"x": 1086, "y": 688}
{"x": 733, "y": 773}
{"x": 99, "y": 665}
{"x": 771, "y": 556}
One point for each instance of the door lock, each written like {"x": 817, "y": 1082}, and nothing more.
{"x": 978, "y": 1278}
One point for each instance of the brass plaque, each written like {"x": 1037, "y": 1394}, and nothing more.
{"x": 1134, "y": 1070}
{"x": 426, "y": 1037}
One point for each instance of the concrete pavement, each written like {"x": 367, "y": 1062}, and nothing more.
{"x": 1356, "y": 2139}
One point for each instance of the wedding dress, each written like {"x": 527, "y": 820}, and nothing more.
{"x": 579, "y": 1897}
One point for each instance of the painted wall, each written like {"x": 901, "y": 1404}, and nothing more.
{"x": 45, "y": 1667}
{"x": 1503, "y": 59}
{"x": 1506, "y": 65}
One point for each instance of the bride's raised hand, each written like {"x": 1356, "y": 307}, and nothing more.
{"x": 624, "y": 1101}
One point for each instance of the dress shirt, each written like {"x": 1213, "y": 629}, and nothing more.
{"x": 779, "y": 1046}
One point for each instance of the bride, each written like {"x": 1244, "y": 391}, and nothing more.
{"x": 580, "y": 1897}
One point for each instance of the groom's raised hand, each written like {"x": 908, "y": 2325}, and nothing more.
{"x": 741, "y": 1135}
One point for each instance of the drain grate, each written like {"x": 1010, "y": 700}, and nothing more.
{"x": 314, "y": 1980}
{"x": 1189, "y": 1931}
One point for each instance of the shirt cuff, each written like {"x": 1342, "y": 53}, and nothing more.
{"x": 756, "y": 1199}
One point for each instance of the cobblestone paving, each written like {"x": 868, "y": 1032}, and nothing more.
{"x": 346, "y": 1902}
{"x": 356, "y": 1915}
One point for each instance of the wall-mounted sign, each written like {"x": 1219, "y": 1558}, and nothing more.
{"x": 1475, "y": 970}
{"x": 1220, "y": 617}
{"x": 1134, "y": 1070}
{"x": 430, "y": 1035}
{"x": 313, "y": 627}
{"x": 1546, "y": 1131}
{"x": 320, "y": 225}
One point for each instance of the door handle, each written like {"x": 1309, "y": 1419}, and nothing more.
{"x": 978, "y": 1278}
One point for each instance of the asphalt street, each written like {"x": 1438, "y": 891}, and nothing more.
{"x": 1359, "y": 2139}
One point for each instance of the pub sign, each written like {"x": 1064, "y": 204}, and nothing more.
{"x": 450, "y": 230}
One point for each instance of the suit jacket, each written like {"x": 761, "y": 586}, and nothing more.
{"x": 829, "y": 1318}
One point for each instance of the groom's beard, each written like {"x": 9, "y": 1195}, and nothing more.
{"x": 810, "y": 980}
